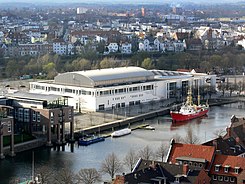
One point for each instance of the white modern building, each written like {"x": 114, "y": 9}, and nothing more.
{"x": 117, "y": 87}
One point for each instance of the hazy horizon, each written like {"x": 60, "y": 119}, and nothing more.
{"x": 122, "y": 1}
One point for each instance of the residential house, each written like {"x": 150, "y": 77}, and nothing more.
{"x": 126, "y": 48}
{"x": 194, "y": 44}
{"x": 181, "y": 36}
{"x": 236, "y": 129}
{"x": 112, "y": 48}
{"x": 149, "y": 44}
{"x": 154, "y": 172}
{"x": 228, "y": 169}
{"x": 227, "y": 146}
{"x": 62, "y": 48}
{"x": 167, "y": 46}
{"x": 196, "y": 156}
{"x": 34, "y": 49}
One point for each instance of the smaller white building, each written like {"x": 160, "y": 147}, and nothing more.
{"x": 63, "y": 48}
{"x": 126, "y": 48}
{"x": 113, "y": 47}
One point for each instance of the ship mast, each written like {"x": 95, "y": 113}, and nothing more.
{"x": 189, "y": 97}
{"x": 198, "y": 95}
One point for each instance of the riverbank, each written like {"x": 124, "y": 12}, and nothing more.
{"x": 96, "y": 123}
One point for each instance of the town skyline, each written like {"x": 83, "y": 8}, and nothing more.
{"x": 123, "y": 2}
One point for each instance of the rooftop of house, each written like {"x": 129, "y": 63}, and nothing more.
{"x": 228, "y": 146}
{"x": 196, "y": 152}
{"x": 147, "y": 171}
{"x": 230, "y": 162}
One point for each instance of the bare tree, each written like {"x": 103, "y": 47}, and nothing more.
{"x": 130, "y": 159}
{"x": 219, "y": 133}
{"x": 146, "y": 153}
{"x": 190, "y": 137}
{"x": 111, "y": 165}
{"x": 161, "y": 151}
{"x": 88, "y": 176}
{"x": 46, "y": 174}
{"x": 64, "y": 176}
{"x": 177, "y": 138}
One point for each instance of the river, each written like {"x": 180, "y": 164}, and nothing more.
{"x": 91, "y": 156}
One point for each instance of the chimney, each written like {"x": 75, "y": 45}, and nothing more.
{"x": 185, "y": 169}
{"x": 228, "y": 131}
{"x": 215, "y": 143}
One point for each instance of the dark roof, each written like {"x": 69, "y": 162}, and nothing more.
{"x": 182, "y": 36}
{"x": 227, "y": 146}
{"x": 148, "y": 171}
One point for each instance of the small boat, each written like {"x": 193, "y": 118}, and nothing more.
{"x": 85, "y": 141}
{"x": 122, "y": 132}
{"x": 149, "y": 127}
{"x": 189, "y": 110}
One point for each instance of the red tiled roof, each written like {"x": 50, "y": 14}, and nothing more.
{"x": 191, "y": 150}
{"x": 226, "y": 160}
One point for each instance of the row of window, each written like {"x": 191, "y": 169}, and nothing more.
{"x": 226, "y": 169}
{"x": 23, "y": 115}
{"x": 196, "y": 164}
{"x": 224, "y": 178}
{"x": 118, "y": 105}
{"x": 101, "y": 93}
{"x": 126, "y": 90}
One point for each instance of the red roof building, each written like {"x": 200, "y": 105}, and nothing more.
{"x": 228, "y": 169}
{"x": 196, "y": 156}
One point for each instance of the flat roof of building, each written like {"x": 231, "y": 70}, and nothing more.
{"x": 33, "y": 96}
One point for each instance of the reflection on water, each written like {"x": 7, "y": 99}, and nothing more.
{"x": 91, "y": 156}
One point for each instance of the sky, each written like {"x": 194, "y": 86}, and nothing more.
{"x": 121, "y": 1}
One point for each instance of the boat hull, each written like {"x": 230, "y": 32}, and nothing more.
{"x": 176, "y": 116}
{"x": 84, "y": 142}
{"x": 122, "y": 132}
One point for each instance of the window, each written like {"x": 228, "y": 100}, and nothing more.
{"x": 26, "y": 115}
{"x": 69, "y": 114}
{"x": 217, "y": 168}
{"x": 9, "y": 127}
{"x": 232, "y": 179}
{"x": 214, "y": 177}
{"x": 220, "y": 178}
{"x": 20, "y": 114}
{"x": 177, "y": 179}
{"x": 38, "y": 117}
{"x": 101, "y": 107}
{"x": 226, "y": 178}
{"x": 34, "y": 116}
{"x": 226, "y": 169}
{"x": 237, "y": 170}
{"x": 51, "y": 117}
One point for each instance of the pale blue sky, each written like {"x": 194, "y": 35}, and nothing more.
{"x": 122, "y": 1}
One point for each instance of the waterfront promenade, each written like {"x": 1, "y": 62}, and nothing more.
{"x": 94, "y": 122}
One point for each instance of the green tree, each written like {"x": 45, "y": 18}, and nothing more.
{"x": 108, "y": 63}
{"x": 147, "y": 64}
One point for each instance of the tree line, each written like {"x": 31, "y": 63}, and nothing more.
{"x": 47, "y": 66}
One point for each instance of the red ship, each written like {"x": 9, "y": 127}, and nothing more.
{"x": 189, "y": 110}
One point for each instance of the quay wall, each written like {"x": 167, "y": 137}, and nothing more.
{"x": 25, "y": 146}
{"x": 115, "y": 125}
{"x": 127, "y": 122}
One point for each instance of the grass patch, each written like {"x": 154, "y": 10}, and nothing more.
{"x": 17, "y": 139}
